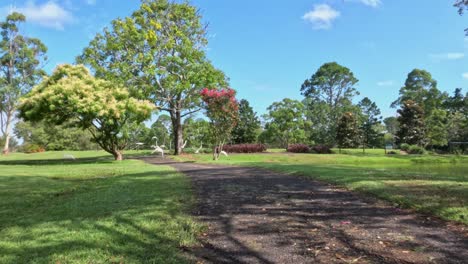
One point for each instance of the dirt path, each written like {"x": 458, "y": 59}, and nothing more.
{"x": 258, "y": 216}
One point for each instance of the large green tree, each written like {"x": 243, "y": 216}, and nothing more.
{"x": 72, "y": 95}
{"x": 159, "y": 54}
{"x": 329, "y": 92}
{"x": 412, "y": 127}
{"x": 347, "y": 131}
{"x": 422, "y": 89}
{"x": 248, "y": 126}
{"x": 285, "y": 123}
{"x": 21, "y": 59}
{"x": 370, "y": 119}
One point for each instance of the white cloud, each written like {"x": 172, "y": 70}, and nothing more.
{"x": 465, "y": 75}
{"x": 91, "y": 2}
{"x": 322, "y": 16}
{"x": 448, "y": 56}
{"x": 385, "y": 83}
{"x": 49, "y": 14}
{"x": 371, "y": 3}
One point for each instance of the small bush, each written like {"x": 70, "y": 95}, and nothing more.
{"x": 298, "y": 148}
{"x": 415, "y": 150}
{"x": 392, "y": 153}
{"x": 405, "y": 147}
{"x": 245, "y": 148}
{"x": 322, "y": 149}
{"x": 32, "y": 148}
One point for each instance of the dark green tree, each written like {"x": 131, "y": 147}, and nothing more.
{"x": 391, "y": 124}
{"x": 158, "y": 53}
{"x": 412, "y": 127}
{"x": 436, "y": 123}
{"x": 21, "y": 59}
{"x": 248, "y": 126}
{"x": 422, "y": 89}
{"x": 369, "y": 120}
{"x": 347, "y": 131}
{"x": 330, "y": 92}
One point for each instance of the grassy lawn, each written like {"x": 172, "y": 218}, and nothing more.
{"x": 92, "y": 210}
{"x": 431, "y": 184}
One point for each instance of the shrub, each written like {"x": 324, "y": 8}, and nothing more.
{"x": 245, "y": 148}
{"x": 32, "y": 148}
{"x": 298, "y": 148}
{"x": 392, "y": 153}
{"x": 405, "y": 147}
{"x": 416, "y": 150}
{"x": 322, "y": 149}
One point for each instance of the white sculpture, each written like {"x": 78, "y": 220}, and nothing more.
{"x": 69, "y": 157}
{"x": 199, "y": 149}
{"x": 158, "y": 149}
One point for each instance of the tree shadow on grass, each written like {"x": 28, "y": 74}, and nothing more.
{"x": 134, "y": 218}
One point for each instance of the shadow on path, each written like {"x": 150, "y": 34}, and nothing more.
{"x": 258, "y": 216}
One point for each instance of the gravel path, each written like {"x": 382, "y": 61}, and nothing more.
{"x": 258, "y": 216}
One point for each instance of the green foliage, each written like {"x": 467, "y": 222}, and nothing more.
{"x": 197, "y": 132}
{"x": 391, "y": 124}
{"x": 72, "y": 95}
{"x": 436, "y": 123}
{"x": 405, "y": 147}
{"x": 347, "y": 131}
{"x": 32, "y": 148}
{"x": 329, "y": 93}
{"x": 416, "y": 150}
{"x": 248, "y": 126}
{"x": 412, "y": 127}
{"x": 21, "y": 59}
{"x": 53, "y": 137}
{"x": 158, "y": 53}
{"x": 370, "y": 119}
{"x": 422, "y": 89}
{"x": 285, "y": 123}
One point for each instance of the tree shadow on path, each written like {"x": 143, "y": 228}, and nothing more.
{"x": 258, "y": 216}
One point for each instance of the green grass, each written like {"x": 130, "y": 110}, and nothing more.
{"x": 92, "y": 210}
{"x": 432, "y": 184}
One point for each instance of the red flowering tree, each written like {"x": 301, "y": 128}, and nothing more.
{"x": 223, "y": 111}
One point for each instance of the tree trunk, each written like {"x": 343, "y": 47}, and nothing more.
{"x": 178, "y": 132}
{"x": 6, "y": 147}
{"x": 117, "y": 155}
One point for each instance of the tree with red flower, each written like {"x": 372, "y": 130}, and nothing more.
{"x": 223, "y": 111}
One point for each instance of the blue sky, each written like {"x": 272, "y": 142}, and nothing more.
{"x": 268, "y": 48}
